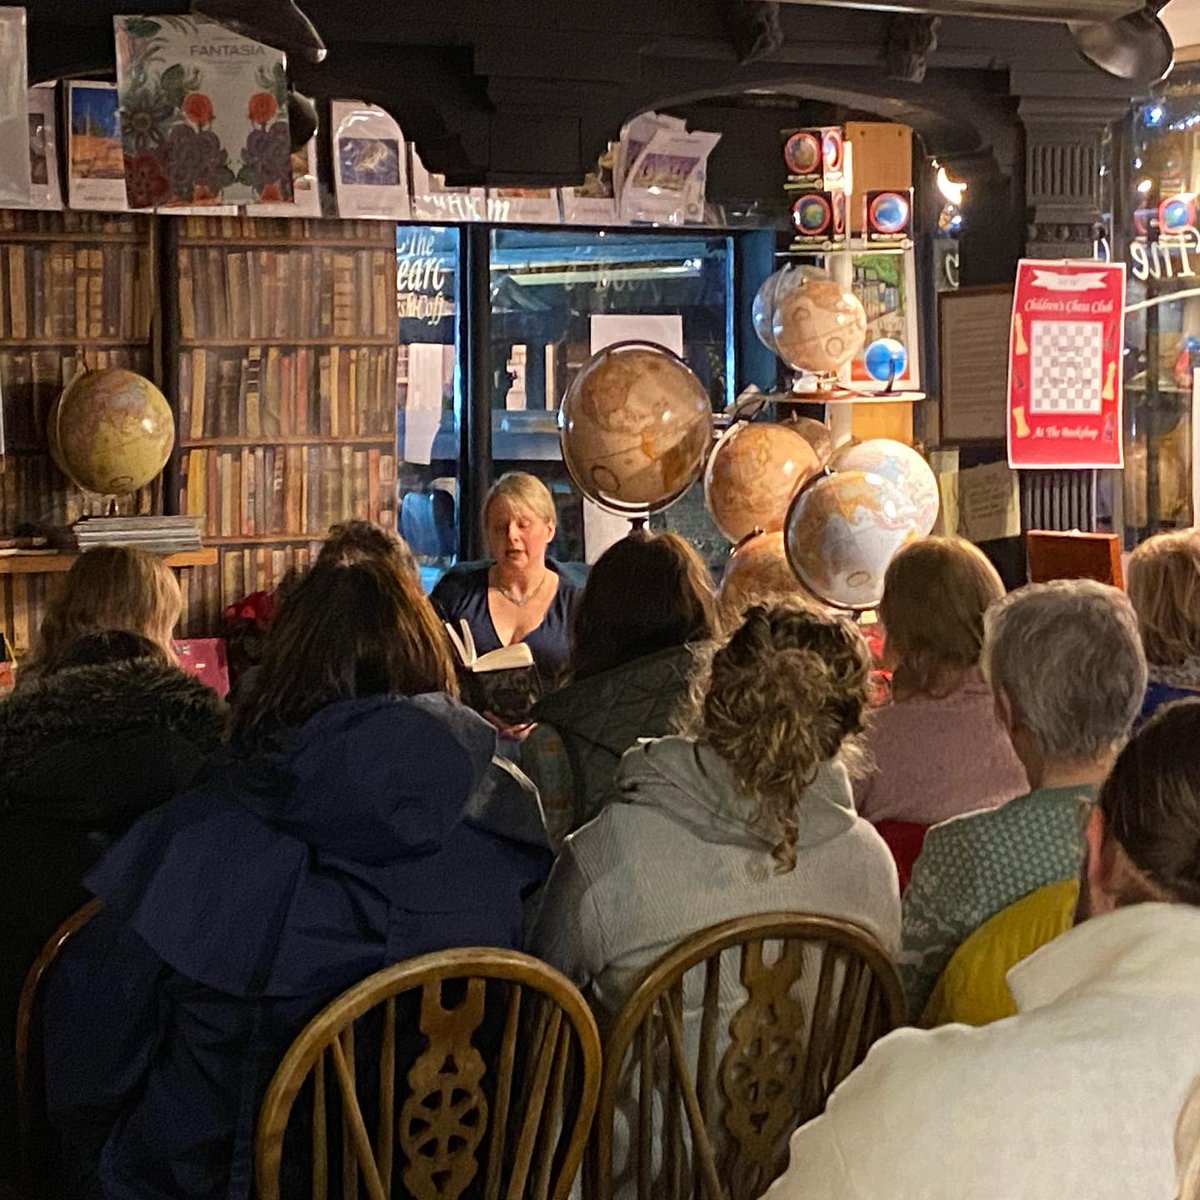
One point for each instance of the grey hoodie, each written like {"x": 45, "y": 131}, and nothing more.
{"x": 680, "y": 853}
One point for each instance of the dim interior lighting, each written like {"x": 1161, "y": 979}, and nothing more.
{"x": 1154, "y": 115}
{"x": 1144, "y": 187}
{"x": 952, "y": 189}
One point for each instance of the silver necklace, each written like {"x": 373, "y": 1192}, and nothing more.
{"x": 528, "y": 595}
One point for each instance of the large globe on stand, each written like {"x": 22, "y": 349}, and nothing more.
{"x": 842, "y": 531}
{"x": 111, "y": 431}
{"x": 819, "y": 326}
{"x": 635, "y": 427}
{"x": 901, "y": 465}
{"x": 752, "y": 475}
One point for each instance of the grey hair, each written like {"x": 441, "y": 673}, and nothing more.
{"x": 1070, "y": 660}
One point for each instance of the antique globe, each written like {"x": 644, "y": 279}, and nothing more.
{"x": 816, "y": 433}
{"x": 762, "y": 310}
{"x": 111, "y": 431}
{"x": 757, "y": 572}
{"x": 635, "y": 426}
{"x": 819, "y": 325}
{"x": 900, "y": 465}
{"x": 752, "y": 475}
{"x": 842, "y": 531}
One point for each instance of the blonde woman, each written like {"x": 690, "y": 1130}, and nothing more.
{"x": 937, "y": 750}
{"x": 750, "y": 811}
{"x": 1164, "y": 586}
{"x": 520, "y": 595}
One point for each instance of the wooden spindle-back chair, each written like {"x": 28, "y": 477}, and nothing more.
{"x": 500, "y": 1043}
{"x": 32, "y": 1122}
{"x": 710, "y": 1117}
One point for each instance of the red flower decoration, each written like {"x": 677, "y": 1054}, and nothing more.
{"x": 271, "y": 194}
{"x": 262, "y": 108}
{"x": 198, "y": 108}
{"x": 258, "y": 609}
{"x": 146, "y": 182}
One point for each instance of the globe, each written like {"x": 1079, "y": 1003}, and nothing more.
{"x": 900, "y": 465}
{"x": 842, "y": 531}
{"x": 757, "y": 572}
{"x": 816, "y": 433}
{"x": 635, "y": 426}
{"x": 111, "y": 431}
{"x": 762, "y": 311}
{"x": 752, "y": 475}
{"x": 885, "y": 359}
{"x": 819, "y": 326}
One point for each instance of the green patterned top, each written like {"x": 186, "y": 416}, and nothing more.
{"x": 973, "y": 866}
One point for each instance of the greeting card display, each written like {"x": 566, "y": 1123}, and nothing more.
{"x": 306, "y": 192}
{"x": 370, "y": 162}
{"x": 203, "y": 114}
{"x": 1064, "y": 365}
{"x": 96, "y": 165}
{"x": 44, "y": 189}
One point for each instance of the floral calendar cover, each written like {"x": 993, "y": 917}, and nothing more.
{"x": 203, "y": 114}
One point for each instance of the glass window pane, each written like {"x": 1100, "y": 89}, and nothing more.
{"x": 427, "y": 394}
{"x": 546, "y": 289}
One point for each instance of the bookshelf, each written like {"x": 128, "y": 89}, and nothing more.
{"x": 76, "y": 290}
{"x": 283, "y": 366}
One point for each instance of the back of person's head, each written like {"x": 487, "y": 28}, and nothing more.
{"x": 1067, "y": 659}
{"x": 364, "y": 541}
{"x": 111, "y": 646}
{"x": 935, "y": 593}
{"x": 110, "y": 588}
{"x": 647, "y": 592}
{"x": 1163, "y": 579}
{"x": 346, "y": 632}
{"x": 781, "y": 697}
{"x": 1150, "y": 803}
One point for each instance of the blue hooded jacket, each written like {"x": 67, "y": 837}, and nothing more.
{"x": 380, "y": 830}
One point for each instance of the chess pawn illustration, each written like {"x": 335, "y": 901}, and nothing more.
{"x": 1019, "y": 418}
{"x": 1022, "y": 346}
{"x": 1110, "y": 380}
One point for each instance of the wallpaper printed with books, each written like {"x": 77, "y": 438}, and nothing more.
{"x": 76, "y": 290}
{"x": 285, "y": 372}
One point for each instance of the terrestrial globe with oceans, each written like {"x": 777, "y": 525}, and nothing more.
{"x": 818, "y": 325}
{"x": 635, "y": 426}
{"x": 902, "y": 466}
{"x": 111, "y": 431}
{"x": 752, "y": 475}
{"x": 842, "y": 531}
{"x": 757, "y": 572}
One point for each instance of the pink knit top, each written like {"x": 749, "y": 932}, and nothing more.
{"x": 930, "y": 760}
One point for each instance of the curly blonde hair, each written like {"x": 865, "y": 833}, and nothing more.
{"x": 781, "y": 697}
{"x": 1163, "y": 581}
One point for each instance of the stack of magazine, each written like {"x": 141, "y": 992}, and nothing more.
{"x": 159, "y": 535}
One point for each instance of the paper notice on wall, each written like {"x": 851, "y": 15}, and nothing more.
{"x": 14, "y": 109}
{"x": 601, "y": 528}
{"x": 944, "y": 464}
{"x": 989, "y": 503}
{"x": 423, "y": 403}
{"x": 370, "y": 162}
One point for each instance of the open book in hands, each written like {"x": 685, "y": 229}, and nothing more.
{"x": 503, "y": 682}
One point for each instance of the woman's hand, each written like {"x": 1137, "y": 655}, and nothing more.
{"x": 516, "y": 732}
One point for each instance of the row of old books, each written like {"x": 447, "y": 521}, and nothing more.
{"x": 286, "y": 491}
{"x": 287, "y": 391}
{"x": 68, "y": 291}
{"x": 241, "y": 228}
{"x": 34, "y": 493}
{"x": 286, "y": 292}
{"x": 207, "y": 590}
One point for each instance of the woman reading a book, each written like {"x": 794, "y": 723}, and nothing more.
{"x": 520, "y": 595}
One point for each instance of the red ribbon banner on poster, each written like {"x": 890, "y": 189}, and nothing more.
{"x": 1064, "y": 365}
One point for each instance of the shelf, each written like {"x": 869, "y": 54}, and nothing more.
{"x": 346, "y": 341}
{"x": 292, "y": 439}
{"x": 52, "y": 564}
{"x": 263, "y": 539}
{"x": 295, "y": 243}
{"x": 123, "y": 239}
{"x": 83, "y": 342}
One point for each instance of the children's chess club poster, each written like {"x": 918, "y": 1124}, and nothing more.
{"x": 1064, "y": 365}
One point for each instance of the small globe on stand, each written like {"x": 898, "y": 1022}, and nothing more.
{"x": 841, "y": 533}
{"x": 752, "y": 475}
{"x": 902, "y": 466}
{"x": 819, "y": 326}
{"x": 635, "y": 426}
{"x": 111, "y": 431}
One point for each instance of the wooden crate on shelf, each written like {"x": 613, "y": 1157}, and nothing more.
{"x": 284, "y": 362}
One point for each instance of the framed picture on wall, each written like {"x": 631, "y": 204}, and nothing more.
{"x": 884, "y": 280}
{"x": 973, "y": 327}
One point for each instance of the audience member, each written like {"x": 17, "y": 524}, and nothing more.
{"x": 1164, "y": 585}
{"x": 937, "y": 750}
{"x": 1066, "y": 666}
{"x": 749, "y": 812}
{"x": 519, "y": 595}
{"x": 113, "y": 731}
{"x": 349, "y": 828}
{"x": 648, "y": 600}
{"x": 1079, "y": 1094}
{"x": 364, "y": 541}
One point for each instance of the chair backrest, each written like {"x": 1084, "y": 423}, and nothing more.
{"x": 806, "y": 999}
{"x": 491, "y": 1042}
{"x": 32, "y": 1121}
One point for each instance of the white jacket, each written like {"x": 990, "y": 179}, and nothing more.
{"x": 1076, "y": 1098}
